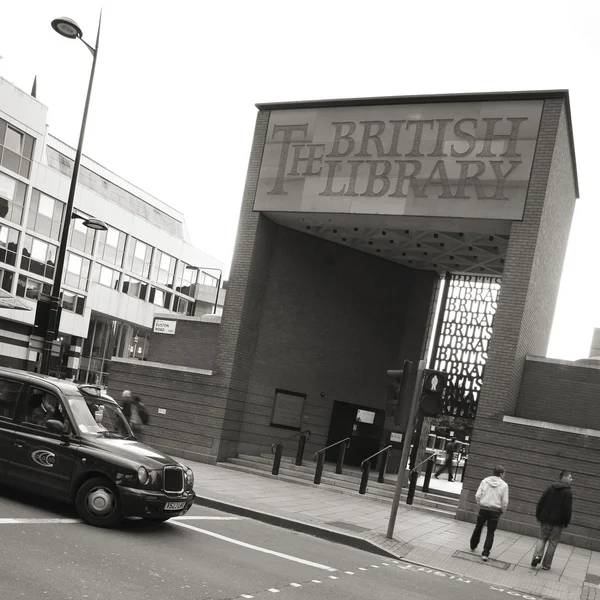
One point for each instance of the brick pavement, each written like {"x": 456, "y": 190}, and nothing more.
{"x": 422, "y": 538}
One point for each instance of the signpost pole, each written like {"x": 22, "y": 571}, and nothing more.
{"x": 405, "y": 449}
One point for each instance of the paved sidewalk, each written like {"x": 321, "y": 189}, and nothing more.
{"x": 429, "y": 540}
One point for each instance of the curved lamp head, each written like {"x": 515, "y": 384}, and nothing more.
{"x": 96, "y": 224}
{"x": 67, "y": 28}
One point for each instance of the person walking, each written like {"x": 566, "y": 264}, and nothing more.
{"x": 450, "y": 450}
{"x": 553, "y": 512}
{"x": 135, "y": 412}
{"x": 492, "y": 498}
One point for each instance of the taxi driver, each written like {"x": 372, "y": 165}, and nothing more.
{"x": 46, "y": 410}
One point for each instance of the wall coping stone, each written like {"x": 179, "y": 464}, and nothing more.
{"x": 146, "y": 363}
{"x": 553, "y": 426}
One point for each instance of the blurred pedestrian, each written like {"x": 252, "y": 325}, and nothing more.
{"x": 135, "y": 412}
{"x": 492, "y": 498}
{"x": 450, "y": 449}
{"x": 553, "y": 511}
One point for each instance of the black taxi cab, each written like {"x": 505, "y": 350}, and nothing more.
{"x": 72, "y": 443}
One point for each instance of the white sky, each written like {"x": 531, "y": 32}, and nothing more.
{"x": 173, "y": 103}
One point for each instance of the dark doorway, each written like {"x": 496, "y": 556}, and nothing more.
{"x": 364, "y": 427}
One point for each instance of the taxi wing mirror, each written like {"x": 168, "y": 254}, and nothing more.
{"x": 54, "y": 426}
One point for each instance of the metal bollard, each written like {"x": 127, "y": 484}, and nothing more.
{"x": 277, "y": 459}
{"x": 428, "y": 473}
{"x": 382, "y": 465}
{"x": 462, "y": 477}
{"x": 300, "y": 452}
{"x": 319, "y": 470}
{"x": 340, "y": 460}
{"x": 364, "y": 480}
{"x": 412, "y": 486}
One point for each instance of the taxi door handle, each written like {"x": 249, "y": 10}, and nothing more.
{"x": 19, "y": 444}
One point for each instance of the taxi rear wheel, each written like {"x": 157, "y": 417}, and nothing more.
{"x": 98, "y": 503}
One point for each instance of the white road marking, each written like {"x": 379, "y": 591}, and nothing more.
{"x": 302, "y": 561}
{"x": 362, "y": 569}
{"x": 385, "y": 564}
{"x": 316, "y": 581}
{"x": 295, "y": 585}
{"x": 375, "y": 566}
{"x": 7, "y": 521}
{"x": 198, "y": 518}
{"x": 349, "y": 572}
{"x": 274, "y": 590}
{"x": 247, "y": 596}
{"x": 332, "y": 577}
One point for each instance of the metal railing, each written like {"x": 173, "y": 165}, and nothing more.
{"x": 365, "y": 465}
{"x": 277, "y": 450}
{"x": 320, "y": 458}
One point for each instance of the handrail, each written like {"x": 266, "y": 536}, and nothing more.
{"x": 374, "y": 455}
{"x": 332, "y": 445}
{"x": 424, "y": 461}
{"x": 289, "y": 438}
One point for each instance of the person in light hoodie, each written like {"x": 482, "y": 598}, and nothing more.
{"x": 492, "y": 498}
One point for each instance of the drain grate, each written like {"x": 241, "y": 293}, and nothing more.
{"x": 595, "y": 579}
{"x": 348, "y": 526}
{"x": 499, "y": 564}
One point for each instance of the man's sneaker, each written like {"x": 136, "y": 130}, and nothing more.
{"x": 545, "y": 568}
{"x": 484, "y": 558}
{"x": 536, "y": 561}
{"x": 473, "y": 548}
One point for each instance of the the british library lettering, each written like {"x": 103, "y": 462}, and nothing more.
{"x": 461, "y": 347}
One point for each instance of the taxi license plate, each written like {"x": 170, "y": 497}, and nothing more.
{"x": 174, "y": 505}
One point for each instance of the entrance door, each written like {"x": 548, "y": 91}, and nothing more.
{"x": 364, "y": 427}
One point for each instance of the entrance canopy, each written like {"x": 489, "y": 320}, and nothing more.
{"x": 8, "y": 301}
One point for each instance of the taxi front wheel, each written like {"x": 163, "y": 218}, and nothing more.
{"x": 98, "y": 503}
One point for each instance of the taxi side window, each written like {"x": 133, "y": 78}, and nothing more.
{"x": 43, "y": 406}
{"x": 9, "y": 396}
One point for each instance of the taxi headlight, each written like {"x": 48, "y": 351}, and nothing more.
{"x": 143, "y": 475}
{"x": 189, "y": 476}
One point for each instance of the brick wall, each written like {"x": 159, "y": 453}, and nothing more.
{"x": 334, "y": 319}
{"x": 191, "y": 427}
{"x": 549, "y": 386}
{"x": 533, "y": 457}
{"x": 531, "y": 276}
{"x": 193, "y": 345}
{"x": 243, "y": 304}
{"x": 533, "y": 267}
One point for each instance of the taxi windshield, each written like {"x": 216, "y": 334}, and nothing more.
{"x": 96, "y": 416}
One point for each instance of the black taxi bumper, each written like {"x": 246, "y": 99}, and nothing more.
{"x": 157, "y": 504}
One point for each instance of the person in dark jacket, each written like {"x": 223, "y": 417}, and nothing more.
{"x": 553, "y": 512}
{"x": 450, "y": 450}
{"x": 135, "y": 412}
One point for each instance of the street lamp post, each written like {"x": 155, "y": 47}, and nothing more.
{"x": 69, "y": 29}
{"x": 198, "y": 269}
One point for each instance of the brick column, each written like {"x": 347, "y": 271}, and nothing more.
{"x": 243, "y": 303}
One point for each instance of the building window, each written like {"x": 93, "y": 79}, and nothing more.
{"x": 28, "y": 287}
{"x": 111, "y": 246}
{"x": 139, "y": 256}
{"x": 185, "y": 279}
{"x": 9, "y": 397}
{"x": 163, "y": 269}
{"x": 45, "y": 215}
{"x": 6, "y": 280}
{"x": 12, "y": 198}
{"x": 77, "y": 271}
{"x": 206, "y": 279}
{"x": 288, "y": 409}
{"x": 134, "y": 287}
{"x": 107, "y": 276}
{"x": 16, "y": 149}
{"x": 9, "y": 240}
{"x": 160, "y": 298}
{"x": 183, "y": 306}
{"x": 82, "y": 237}
{"x": 38, "y": 257}
{"x": 73, "y": 302}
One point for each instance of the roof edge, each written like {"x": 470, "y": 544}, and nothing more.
{"x": 559, "y": 94}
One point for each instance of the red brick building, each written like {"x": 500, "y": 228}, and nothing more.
{"x": 351, "y": 211}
